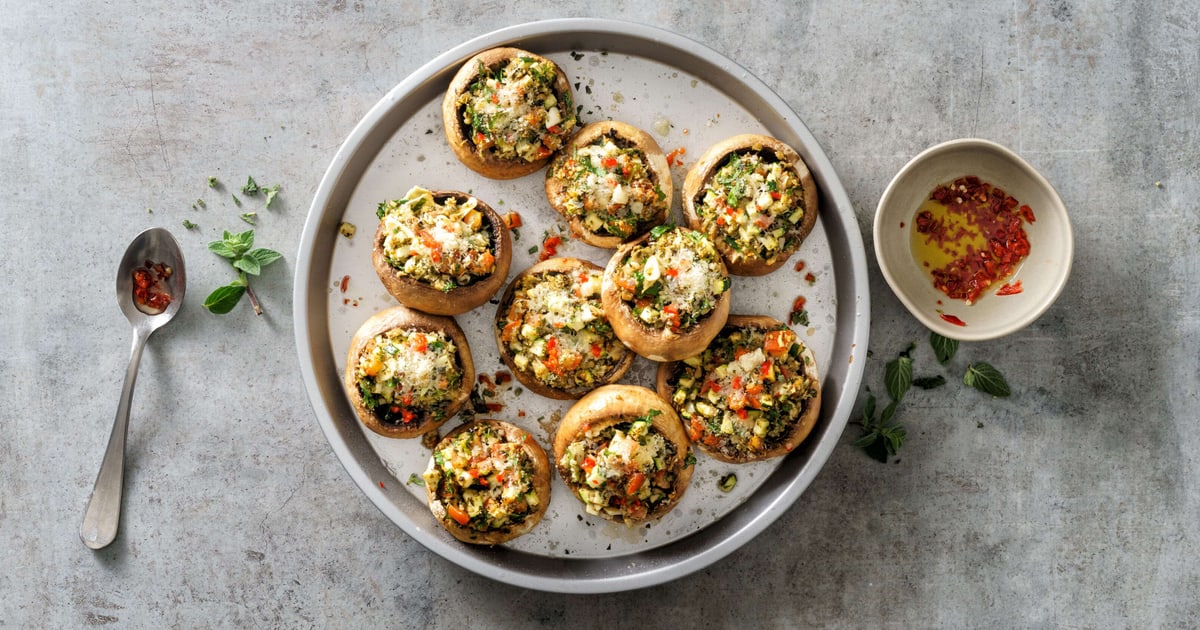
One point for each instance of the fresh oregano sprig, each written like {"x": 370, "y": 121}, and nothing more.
{"x": 881, "y": 437}
{"x": 248, "y": 261}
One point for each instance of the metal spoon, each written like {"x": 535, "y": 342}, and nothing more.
{"x": 152, "y": 247}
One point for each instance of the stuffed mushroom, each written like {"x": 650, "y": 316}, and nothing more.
{"x": 611, "y": 182}
{"x": 623, "y": 453}
{"x": 442, "y": 252}
{"x": 407, "y": 372}
{"x": 552, "y": 333}
{"x": 753, "y": 394}
{"x": 507, "y": 111}
{"x": 667, "y": 294}
{"x": 488, "y": 482}
{"x": 755, "y": 198}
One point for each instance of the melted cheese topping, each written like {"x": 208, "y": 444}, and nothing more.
{"x": 622, "y": 471}
{"x": 445, "y": 245}
{"x": 406, "y": 375}
{"x": 555, "y": 330}
{"x": 609, "y": 186}
{"x": 674, "y": 280}
{"x": 481, "y": 480}
{"x": 753, "y": 208}
{"x": 745, "y": 392}
{"x": 514, "y": 111}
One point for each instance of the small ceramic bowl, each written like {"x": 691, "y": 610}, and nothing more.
{"x": 1042, "y": 274}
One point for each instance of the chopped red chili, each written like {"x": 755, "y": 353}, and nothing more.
{"x": 1011, "y": 288}
{"x": 952, "y": 319}
{"x": 969, "y": 235}
{"x": 150, "y": 287}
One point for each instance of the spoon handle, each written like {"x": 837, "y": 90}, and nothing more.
{"x": 104, "y": 507}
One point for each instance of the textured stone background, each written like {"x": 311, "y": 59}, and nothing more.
{"x": 1072, "y": 503}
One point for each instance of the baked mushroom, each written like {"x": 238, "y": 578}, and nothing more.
{"x": 755, "y": 198}
{"x": 611, "y": 182}
{"x": 442, "y": 252}
{"x": 488, "y": 482}
{"x": 623, "y": 453}
{"x": 666, "y": 294}
{"x": 407, "y": 372}
{"x": 507, "y": 111}
{"x": 753, "y": 394}
{"x": 552, "y": 332}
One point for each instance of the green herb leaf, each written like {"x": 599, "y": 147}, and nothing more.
{"x": 263, "y": 255}
{"x": 897, "y": 376}
{"x": 929, "y": 382}
{"x": 727, "y": 482}
{"x": 875, "y": 446}
{"x": 251, "y": 187}
{"x": 248, "y": 265}
{"x": 416, "y": 480}
{"x": 270, "y": 192}
{"x": 885, "y": 416}
{"x": 188, "y": 224}
{"x": 986, "y": 379}
{"x": 222, "y": 249}
{"x": 894, "y": 438}
{"x": 212, "y": 182}
{"x": 223, "y": 299}
{"x": 249, "y": 217}
{"x": 658, "y": 230}
{"x": 869, "y": 408}
{"x": 943, "y": 347}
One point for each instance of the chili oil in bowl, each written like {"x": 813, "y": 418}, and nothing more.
{"x": 973, "y": 240}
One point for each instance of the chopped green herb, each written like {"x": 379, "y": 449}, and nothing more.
{"x": 727, "y": 482}
{"x": 188, "y": 225}
{"x": 533, "y": 250}
{"x": 416, "y": 480}
{"x": 249, "y": 217}
{"x": 270, "y": 192}
{"x": 237, "y": 202}
{"x": 212, "y": 182}
{"x": 200, "y": 202}
{"x": 251, "y": 187}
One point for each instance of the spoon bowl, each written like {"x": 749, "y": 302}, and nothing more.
{"x": 151, "y": 281}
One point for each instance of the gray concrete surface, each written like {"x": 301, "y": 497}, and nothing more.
{"x": 1074, "y": 503}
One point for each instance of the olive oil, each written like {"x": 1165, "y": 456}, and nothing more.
{"x": 951, "y": 236}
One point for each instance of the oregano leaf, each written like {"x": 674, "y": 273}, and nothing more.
{"x": 223, "y": 299}
{"x": 987, "y": 379}
{"x": 943, "y": 347}
{"x": 888, "y": 412}
{"x": 247, "y": 264}
{"x": 897, "y": 375}
{"x": 929, "y": 382}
